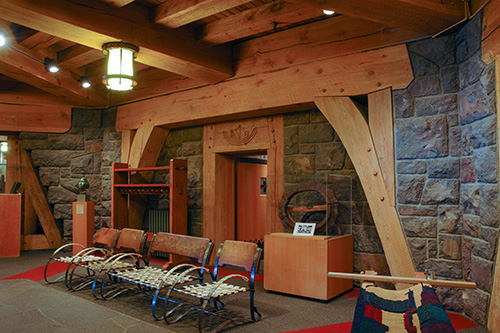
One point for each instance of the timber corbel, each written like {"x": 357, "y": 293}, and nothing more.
{"x": 32, "y": 186}
{"x": 354, "y": 131}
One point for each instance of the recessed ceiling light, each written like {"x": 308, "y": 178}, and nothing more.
{"x": 328, "y": 12}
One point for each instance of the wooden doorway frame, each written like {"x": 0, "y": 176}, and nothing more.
{"x": 245, "y": 136}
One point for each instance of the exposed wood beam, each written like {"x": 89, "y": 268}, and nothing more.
{"x": 35, "y": 98}
{"x": 163, "y": 49}
{"x": 491, "y": 32}
{"x": 494, "y": 308}
{"x": 260, "y": 94}
{"x": 39, "y": 40}
{"x": 24, "y": 68}
{"x": 23, "y": 118}
{"x": 146, "y": 147}
{"x": 347, "y": 119}
{"x": 254, "y": 21}
{"x": 429, "y": 17}
{"x": 32, "y": 185}
{"x": 176, "y": 13}
{"x": 118, "y": 3}
{"x": 381, "y": 126}
{"x": 77, "y": 56}
{"x": 319, "y": 40}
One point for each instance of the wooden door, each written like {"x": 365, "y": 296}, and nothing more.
{"x": 250, "y": 201}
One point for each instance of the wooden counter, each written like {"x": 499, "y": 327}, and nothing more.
{"x": 10, "y": 225}
{"x": 299, "y": 265}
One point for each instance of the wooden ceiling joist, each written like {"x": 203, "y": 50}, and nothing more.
{"x": 425, "y": 16}
{"x": 23, "y": 67}
{"x": 158, "y": 48}
{"x": 261, "y": 19}
{"x": 176, "y": 13}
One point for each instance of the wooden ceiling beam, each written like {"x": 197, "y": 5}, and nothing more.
{"x": 176, "y": 13}
{"x": 78, "y": 56}
{"x": 163, "y": 49}
{"x": 23, "y": 67}
{"x": 255, "y": 21}
{"x": 118, "y": 3}
{"x": 427, "y": 16}
{"x": 39, "y": 40}
{"x": 267, "y": 93}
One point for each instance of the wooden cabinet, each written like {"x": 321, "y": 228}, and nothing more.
{"x": 299, "y": 265}
{"x": 130, "y": 186}
{"x": 10, "y": 225}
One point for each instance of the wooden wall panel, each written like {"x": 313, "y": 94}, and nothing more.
{"x": 347, "y": 119}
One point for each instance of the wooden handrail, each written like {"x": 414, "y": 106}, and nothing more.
{"x": 400, "y": 279}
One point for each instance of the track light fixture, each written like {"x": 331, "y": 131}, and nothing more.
{"x": 51, "y": 65}
{"x": 120, "y": 74}
{"x": 3, "y": 39}
{"x": 84, "y": 80}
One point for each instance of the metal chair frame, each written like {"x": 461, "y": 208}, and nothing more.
{"x": 103, "y": 242}
{"x": 149, "y": 279}
{"x": 211, "y": 292}
{"x": 129, "y": 240}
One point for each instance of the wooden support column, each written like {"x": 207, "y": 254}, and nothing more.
{"x": 356, "y": 136}
{"x": 494, "y": 310}
{"x": 382, "y": 129}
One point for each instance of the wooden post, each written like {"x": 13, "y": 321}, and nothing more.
{"x": 356, "y": 136}
{"x": 83, "y": 224}
{"x": 494, "y": 310}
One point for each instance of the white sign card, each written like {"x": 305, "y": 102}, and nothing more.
{"x": 304, "y": 229}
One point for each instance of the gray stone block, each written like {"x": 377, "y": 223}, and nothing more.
{"x": 423, "y": 137}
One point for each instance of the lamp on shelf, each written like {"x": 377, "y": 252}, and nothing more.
{"x": 120, "y": 72}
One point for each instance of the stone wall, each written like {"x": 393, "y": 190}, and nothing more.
{"x": 447, "y": 168}
{"x": 60, "y": 160}
{"x": 312, "y": 151}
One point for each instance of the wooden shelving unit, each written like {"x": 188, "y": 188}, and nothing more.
{"x": 131, "y": 185}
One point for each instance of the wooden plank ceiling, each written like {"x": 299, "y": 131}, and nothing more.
{"x": 183, "y": 43}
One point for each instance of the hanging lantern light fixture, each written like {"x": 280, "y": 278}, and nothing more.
{"x": 120, "y": 72}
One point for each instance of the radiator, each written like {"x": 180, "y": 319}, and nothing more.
{"x": 158, "y": 220}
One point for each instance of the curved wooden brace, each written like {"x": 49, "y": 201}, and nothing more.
{"x": 144, "y": 151}
{"x": 349, "y": 123}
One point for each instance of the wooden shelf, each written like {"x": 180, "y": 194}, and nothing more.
{"x": 153, "y": 189}
{"x": 129, "y": 188}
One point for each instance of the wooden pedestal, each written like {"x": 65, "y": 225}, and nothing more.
{"x": 83, "y": 224}
{"x": 10, "y": 225}
{"x": 299, "y": 265}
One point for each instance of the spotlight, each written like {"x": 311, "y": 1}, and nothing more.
{"x": 3, "y": 39}
{"x": 84, "y": 80}
{"x": 328, "y": 12}
{"x": 51, "y": 65}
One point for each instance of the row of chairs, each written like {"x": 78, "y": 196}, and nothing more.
{"x": 124, "y": 262}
